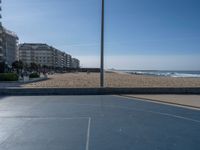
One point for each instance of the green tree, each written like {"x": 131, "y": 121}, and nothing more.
{"x": 18, "y": 65}
{"x": 2, "y": 67}
{"x": 34, "y": 67}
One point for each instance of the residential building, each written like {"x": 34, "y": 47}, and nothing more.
{"x": 60, "y": 59}
{"x": 44, "y": 54}
{"x": 68, "y": 61}
{"x": 37, "y": 53}
{"x": 1, "y": 37}
{"x": 1, "y": 44}
{"x": 8, "y": 46}
{"x": 75, "y": 63}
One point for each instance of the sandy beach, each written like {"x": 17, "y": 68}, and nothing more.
{"x": 84, "y": 80}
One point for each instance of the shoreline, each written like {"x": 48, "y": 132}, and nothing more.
{"x": 161, "y": 73}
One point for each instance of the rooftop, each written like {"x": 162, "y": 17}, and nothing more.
{"x": 11, "y": 33}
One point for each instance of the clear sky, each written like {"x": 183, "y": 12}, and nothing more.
{"x": 139, "y": 34}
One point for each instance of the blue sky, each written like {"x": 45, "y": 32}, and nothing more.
{"x": 139, "y": 34}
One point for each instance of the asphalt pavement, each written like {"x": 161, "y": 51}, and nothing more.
{"x": 95, "y": 123}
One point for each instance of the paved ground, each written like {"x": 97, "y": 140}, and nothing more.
{"x": 9, "y": 84}
{"x": 184, "y": 100}
{"x": 95, "y": 123}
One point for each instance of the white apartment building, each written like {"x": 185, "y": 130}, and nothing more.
{"x": 37, "y": 53}
{"x": 75, "y": 63}
{"x": 1, "y": 44}
{"x": 1, "y": 37}
{"x": 44, "y": 54}
{"x": 8, "y": 46}
{"x": 68, "y": 61}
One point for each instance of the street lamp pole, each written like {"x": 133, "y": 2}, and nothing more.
{"x": 102, "y": 46}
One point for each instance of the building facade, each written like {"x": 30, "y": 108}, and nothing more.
{"x": 59, "y": 59}
{"x": 1, "y": 37}
{"x": 75, "y": 63}
{"x": 44, "y": 55}
{"x": 8, "y": 46}
{"x": 1, "y": 44}
{"x": 37, "y": 53}
{"x": 68, "y": 61}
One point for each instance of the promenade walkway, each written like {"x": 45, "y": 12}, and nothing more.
{"x": 95, "y": 123}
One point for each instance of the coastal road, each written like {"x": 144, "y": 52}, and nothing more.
{"x": 95, "y": 123}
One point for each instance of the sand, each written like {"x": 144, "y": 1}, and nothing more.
{"x": 84, "y": 80}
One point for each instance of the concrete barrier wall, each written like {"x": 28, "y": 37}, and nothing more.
{"x": 95, "y": 91}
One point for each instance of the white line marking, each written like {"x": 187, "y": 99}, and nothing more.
{"x": 38, "y": 117}
{"x": 159, "y": 113}
{"x": 159, "y": 102}
{"x": 88, "y": 134}
{"x": 174, "y": 116}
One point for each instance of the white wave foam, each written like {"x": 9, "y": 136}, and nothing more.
{"x": 166, "y": 74}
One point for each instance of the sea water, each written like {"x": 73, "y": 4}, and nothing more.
{"x": 167, "y": 73}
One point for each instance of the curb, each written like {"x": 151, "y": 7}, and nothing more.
{"x": 95, "y": 91}
{"x": 24, "y": 82}
{"x": 33, "y": 80}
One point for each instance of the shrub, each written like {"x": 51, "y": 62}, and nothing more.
{"x": 34, "y": 75}
{"x": 8, "y": 77}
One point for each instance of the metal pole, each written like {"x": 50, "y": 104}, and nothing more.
{"x": 102, "y": 46}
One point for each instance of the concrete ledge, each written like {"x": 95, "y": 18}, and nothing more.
{"x": 34, "y": 80}
{"x": 95, "y": 91}
{"x": 29, "y": 81}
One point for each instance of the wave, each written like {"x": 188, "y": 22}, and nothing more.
{"x": 186, "y": 74}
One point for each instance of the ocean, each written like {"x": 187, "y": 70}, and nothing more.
{"x": 166, "y": 73}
